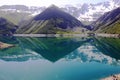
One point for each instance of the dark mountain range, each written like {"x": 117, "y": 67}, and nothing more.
{"x": 51, "y": 20}
{"x": 109, "y": 22}
{"x": 86, "y": 12}
{"x": 6, "y": 27}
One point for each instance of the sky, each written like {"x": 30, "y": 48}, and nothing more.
{"x": 46, "y": 2}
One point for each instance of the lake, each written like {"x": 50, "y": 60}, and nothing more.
{"x": 83, "y": 58}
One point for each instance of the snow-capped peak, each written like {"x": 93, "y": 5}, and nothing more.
{"x": 83, "y": 12}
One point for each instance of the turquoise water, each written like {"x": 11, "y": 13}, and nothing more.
{"x": 59, "y": 58}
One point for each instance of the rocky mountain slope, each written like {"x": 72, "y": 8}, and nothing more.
{"x": 7, "y": 27}
{"x": 52, "y": 20}
{"x": 109, "y": 22}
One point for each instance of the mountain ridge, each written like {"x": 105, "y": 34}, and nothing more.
{"x": 51, "y": 20}
{"x": 86, "y": 13}
{"x": 109, "y": 22}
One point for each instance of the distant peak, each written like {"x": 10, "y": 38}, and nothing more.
{"x": 115, "y": 0}
{"x": 53, "y": 6}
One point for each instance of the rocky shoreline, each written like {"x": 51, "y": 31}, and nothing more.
{"x": 49, "y": 35}
{"x": 112, "y": 77}
{"x": 108, "y": 35}
{"x": 5, "y": 45}
{"x": 66, "y": 35}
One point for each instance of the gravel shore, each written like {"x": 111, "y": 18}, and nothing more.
{"x": 113, "y": 77}
{"x": 5, "y": 45}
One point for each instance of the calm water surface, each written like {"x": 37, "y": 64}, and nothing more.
{"x": 59, "y": 58}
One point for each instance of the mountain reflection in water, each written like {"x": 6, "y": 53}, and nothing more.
{"x": 104, "y": 50}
